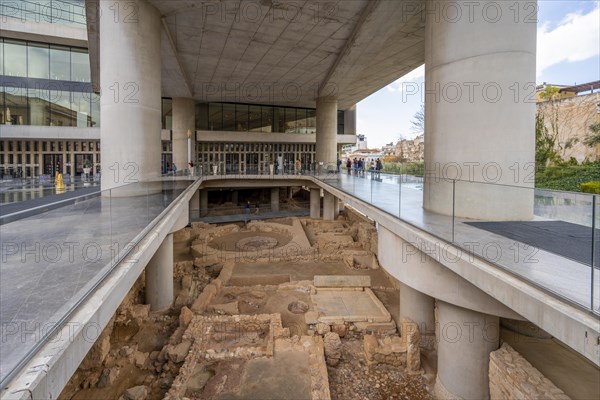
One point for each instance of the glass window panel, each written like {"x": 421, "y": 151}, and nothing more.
{"x": 290, "y": 120}
{"x": 301, "y": 120}
{"x": 60, "y": 109}
{"x": 167, "y": 114}
{"x": 16, "y": 52}
{"x": 95, "y": 107}
{"x": 202, "y": 116}
{"x": 340, "y": 123}
{"x": 80, "y": 66}
{"x": 38, "y": 61}
{"x": 279, "y": 119}
{"x": 39, "y": 107}
{"x": 267, "y": 118}
{"x": 80, "y": 105}
{"x": 254, "y": 119}
{"x": 1, "y": 57}
{"x": 15, "y": 99}
{"x": 229, "y": 117}
{"x": 215, "y": 116}
{"x": 2, "y": 109}
{"x": 311, "y": 121}
{"x": 60, "y": 63}
{"x": 241, "y": 117}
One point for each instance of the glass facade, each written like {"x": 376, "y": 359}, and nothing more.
{"x": 48, "y": 85}
{"x": 64, "y": 12}
{"x": 258, "y": 118}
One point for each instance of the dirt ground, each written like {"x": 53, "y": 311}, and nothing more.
{"x": 136, "y": 352}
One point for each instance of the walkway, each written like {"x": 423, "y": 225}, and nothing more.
{"x": 568, "y": 279}
{"x": 50, "y": 261}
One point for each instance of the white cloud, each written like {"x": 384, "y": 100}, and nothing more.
{"x": 575, "y": 38}
{"x": 414, "y": 76}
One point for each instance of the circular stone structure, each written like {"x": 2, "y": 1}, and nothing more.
{"x": 298, "y": 307}
{"x": 258, "y": 242}
{"x": 250, "y": 241}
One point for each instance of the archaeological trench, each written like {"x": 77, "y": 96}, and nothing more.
{"x": 283, "y": 309}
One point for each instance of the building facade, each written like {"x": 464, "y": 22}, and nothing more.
{"x": 50, "y": 107}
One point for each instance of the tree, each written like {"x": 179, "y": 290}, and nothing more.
{"x": 418, "y": 121}
{"x": 544, "y": 142}
{"x": 593, "y": 138}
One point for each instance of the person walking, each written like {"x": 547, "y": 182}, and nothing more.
{"x": 349, "y": 166}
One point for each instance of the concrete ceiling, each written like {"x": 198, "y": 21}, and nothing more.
{"x": 286, "y": 52}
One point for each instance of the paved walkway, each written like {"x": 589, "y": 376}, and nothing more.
{"x": 566, "y": 278}
{"x": 51, "y": 260}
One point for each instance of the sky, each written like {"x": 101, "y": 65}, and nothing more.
{"x": 568, "y": 52}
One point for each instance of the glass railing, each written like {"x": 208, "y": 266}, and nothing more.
{"x": 549, "y": 238}
{"x": 53, "y": 260}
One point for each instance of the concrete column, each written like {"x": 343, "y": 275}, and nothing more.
{"x": 326, "y": 146}
{"x": 195, "y": 204}
{"x": 350, "y": 121}
{"x": 336, "y": 208}
{"x": 235, "y": 197}
{"x": 465, "y": 340}
{"x": 420, "y": 308}
{"x": 329, "y": 202}
{"x": 315, "y": 203}
{"x": 275, "y": 199}
{"x": 290, "y": 192}
{"x": 184, "y": 119}
{"x": 203, "y": 202}
{"x": 130, "y": 77}
{"x": 479, "y": 119}
{"x": 159, "y": 276}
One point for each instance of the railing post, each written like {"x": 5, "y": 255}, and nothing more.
{"x": 593, "y": 261}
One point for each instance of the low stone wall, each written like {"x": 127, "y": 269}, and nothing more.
{"x": 513, "y": 377}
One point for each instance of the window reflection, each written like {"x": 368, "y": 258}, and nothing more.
{"x": 258, "y": 118}
{"x": 60, "y": 63}
{"x": 39, "y": 60}
{"x": 15, "y": 55}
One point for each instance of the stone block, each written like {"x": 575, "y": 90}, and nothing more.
{"x": 341, "y": 281}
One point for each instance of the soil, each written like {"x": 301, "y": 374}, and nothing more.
{"x": 354, "y": 379}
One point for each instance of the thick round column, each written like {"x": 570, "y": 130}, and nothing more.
{"x": 329, "y": 201}
{"x": 203, "y": 202}
{"x": 195, "y": 204}
{"x": 184, "y": 120}
{"x": 275, "y": 199}
{"x": 479, "y": 108}
{"x": 159, "y": 276}
{"x": 326, "y": 147}
{"x": 315, "y": 203}
{"x": 130, "y": 78}
{"x": 465, "y": 340}
{"x": 419, "y": 307}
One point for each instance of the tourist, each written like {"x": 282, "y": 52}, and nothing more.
{"x": 298, "y": 167}
{"x": 349, "y": 166}
{"x": 174, "y": 169}
{"x": 247, "y": 207}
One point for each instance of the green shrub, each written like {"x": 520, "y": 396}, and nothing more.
{"x": 591, "y": 187}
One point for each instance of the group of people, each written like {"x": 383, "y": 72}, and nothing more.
{"x": 358, "y": 166}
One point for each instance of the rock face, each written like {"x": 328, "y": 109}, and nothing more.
{"x": 322, "y": 328}
{"x": 185, "y": 316}
{"x": 108, "y": 377}
{"x": 340, "y": 329}
{"x": 413, "y": 345}
{"x": 333, "y": 348}
{"x": 513, "y": 377}
{"x": 136, "y": 393}
{"x": 178, "y": 352}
